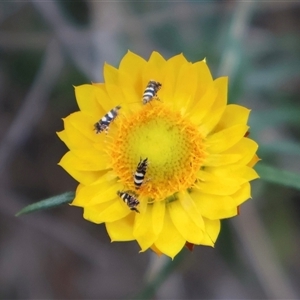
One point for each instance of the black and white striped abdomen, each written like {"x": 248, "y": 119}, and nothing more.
{"x": 105, "y": 121}
{"x": 130, "y": 200}
{"x": 139, "y": 175}
{"x": 151, "y": 91}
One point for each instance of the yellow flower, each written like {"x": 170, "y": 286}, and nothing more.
{"x": 197, "y": 160}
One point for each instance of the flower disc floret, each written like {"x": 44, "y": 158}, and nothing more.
{"x": 173, "y": 145}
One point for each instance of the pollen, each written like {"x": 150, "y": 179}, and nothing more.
{"x": 173, "y": 146}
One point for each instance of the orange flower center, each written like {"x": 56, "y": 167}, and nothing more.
{"x": 173, "y": 146}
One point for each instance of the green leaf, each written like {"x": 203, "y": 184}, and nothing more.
{"x": 47, "y": 203}
{"x": 278, "y": 176}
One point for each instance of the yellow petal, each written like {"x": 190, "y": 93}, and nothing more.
{"x": 156, "y": 250}
{"x": 91, "y": 213}
{"x": 105, "y": 100}
{"x": 79, "y": 122}
{"x": 110, "y": 74}
{"x": 132, "y": 91}
{"x": 169, "y": 80}
{"x": 95, "y": 194}
{"x": 132, "y": 65}
{"x": 221, "y": 84}
{"x": 156, "y": 59}
{"x": 189, "y": 230}
{"x": 132, "y": 99}
{"x": 88, "y": 159}
{"x": 106, "y": 212}
{"x": 152, "y": 70}
{"x": 205, "y": 83}
{"x": 213, "y": 189}
{"x": 143, "y": 227}
{"x": 212, "y": 230}
{"x": 237, "y": 172}
{"x": 177, "y": 60}
{"x": 210, "y": 183}
{"x": 121, "y": 230}
{"x": 75, "y": 139}
{"x": 224, "y": 139}
{"x": 253, "y": 161}
{"x": 86, "y": 99}
{"x": 202, "y": 105}
{"x": 217, "y": 109}
{"x": 216, "y": 160}
{"x": 246, "y": 147}
{"x": 115, "y": 92}
{"x": 64, "y": 137}
{"x": 214, "y": 207}
{"x": 186, "y": 86}
{"x": 243, "y": 194}
{"x": 233, "y": 115}
{"x": 121, "y": 98}
{"x": 158, "y": 215}
{"x": 169, "y": 241}
{"x": 191, "y": 209}
{"x": 84, "y": 177}
{"x": 79, "y": 187}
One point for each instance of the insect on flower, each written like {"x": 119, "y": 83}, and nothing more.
{"x": 130, "y": 200}
{"x": 140, "y": 173}
{"x": 105, "y": 121}
{"x": 151, "y": 90}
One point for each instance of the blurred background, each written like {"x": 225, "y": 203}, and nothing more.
{"x": 46, "y": 48}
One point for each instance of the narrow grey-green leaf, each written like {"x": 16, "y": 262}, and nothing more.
{"x": 47, "y": 203}
{"x": 278, "y": 176}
